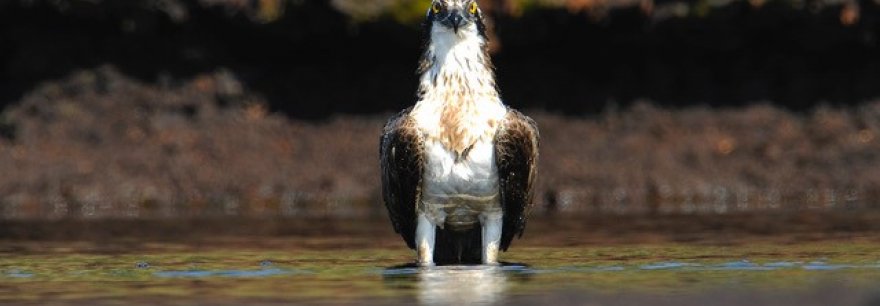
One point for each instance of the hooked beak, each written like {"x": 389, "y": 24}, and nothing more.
{"x": 455, "y": 20}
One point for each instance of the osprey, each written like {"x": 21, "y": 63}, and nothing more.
{"x": 458, "y": 167}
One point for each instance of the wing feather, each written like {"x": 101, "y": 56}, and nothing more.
{"x": 516, "y": 156}
{"x": 401, "y": 156}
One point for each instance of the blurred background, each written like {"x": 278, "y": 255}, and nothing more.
{"x": 268, "y": 112}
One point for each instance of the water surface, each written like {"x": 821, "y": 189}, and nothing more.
{"x": 844, "y": 273}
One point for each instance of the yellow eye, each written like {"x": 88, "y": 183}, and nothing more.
{"x": 435, "y": 8}
{"x": 473, "y": 8}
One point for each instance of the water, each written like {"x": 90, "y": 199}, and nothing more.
{"x": 457, "y": 285}
{"x": 812, "y": 273}
{"x": 223, "y": 273}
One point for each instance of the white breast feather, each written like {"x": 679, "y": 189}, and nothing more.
{"x": 458, "y": 79}
{"x": 460, "y": 188}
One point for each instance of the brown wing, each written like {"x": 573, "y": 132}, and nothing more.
{"x": 401, "y": 156}
{"x": 516, "y": 156}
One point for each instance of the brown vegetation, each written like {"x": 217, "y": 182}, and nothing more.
{"x": 99, "y": 144}
{"x": 647, "y": 159}
{"x": 102, "y": 145}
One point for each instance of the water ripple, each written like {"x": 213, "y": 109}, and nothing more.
{"x": 19, "y": 274}
{"x": 223, "y": 273}
{"x": 668, "y": 265}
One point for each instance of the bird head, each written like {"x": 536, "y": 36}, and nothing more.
{"x": 456, "y": 16}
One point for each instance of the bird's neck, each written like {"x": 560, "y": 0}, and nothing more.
{"x": 456, "y": 68}
{"x": 458, "y": 101}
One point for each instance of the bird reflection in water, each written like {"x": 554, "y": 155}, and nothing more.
{"x": 461, "y": 285}
{"x": 456, "y": 285}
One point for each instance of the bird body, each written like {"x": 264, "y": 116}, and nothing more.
{"x": 458, "y": 193}
{"x": 459, "y": 165}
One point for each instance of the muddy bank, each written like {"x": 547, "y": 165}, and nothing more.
{"x": 99, "y": 144}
